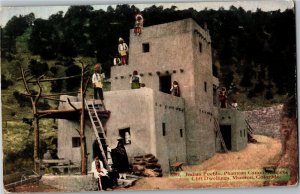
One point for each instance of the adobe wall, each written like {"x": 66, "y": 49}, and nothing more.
{"x": 171, "y": 147}
{"x": 236, "y": 119}
{"x": 170, "y": 53}
{"x": 144, "y": 110}
{"x": 199, "y": 116}
{"x": 174, "y": 50}
{"x": 133, "y": 109}
{"x": 67, "y": 129}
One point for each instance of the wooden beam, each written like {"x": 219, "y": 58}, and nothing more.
{"x": 42, "y": 96}
{"x": 57, "y": 111}
{"x": 59, "y": 94}
{"x": 55, "y": 79}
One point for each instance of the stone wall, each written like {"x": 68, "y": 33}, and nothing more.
{"x": 265, "y": 121}
{"x": 71, "y": 183}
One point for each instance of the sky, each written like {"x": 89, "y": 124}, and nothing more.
{"x": 11, "y": 8}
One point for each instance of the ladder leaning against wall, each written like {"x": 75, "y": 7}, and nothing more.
{"x": 98, "y": 128}
{"x": 219, "y": 134}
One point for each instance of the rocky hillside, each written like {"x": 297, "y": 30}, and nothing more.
{"x": 266, "y": 121}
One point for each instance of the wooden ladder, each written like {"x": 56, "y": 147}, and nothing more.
{"x": 250, "y": 129}
{"x": 98, "y": 129}
{"x": 217, "y": 129}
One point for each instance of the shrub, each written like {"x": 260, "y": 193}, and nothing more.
{"x": 37, "y": 68}
{"x": 21, "y": 99}
{"x": 56, "y": 86}
{"x": 74, "y": 83}
{"x": 269, "y": 95}
{"x": 5, "y": 83}
{"x": 54, "y": 70}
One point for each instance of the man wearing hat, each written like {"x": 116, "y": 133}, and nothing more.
{"x": 123, "y": 50}
{"x": 97, "y": 79}
{"x": 120, "y": 158}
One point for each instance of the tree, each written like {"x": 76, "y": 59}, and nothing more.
{"x": 74, "y": 83}
{"x": 37, "y": 68}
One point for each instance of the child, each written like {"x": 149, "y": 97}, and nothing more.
{"x": 175, "y": 90}
{"x": 135, "y": 80}
{"x": 117, "y": 60}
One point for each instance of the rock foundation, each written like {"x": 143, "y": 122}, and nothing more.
{"x": 147, "y": 166}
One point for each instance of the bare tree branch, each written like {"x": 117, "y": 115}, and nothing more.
{"x": 72, "y": 104}
{"x": 86, "y": 86}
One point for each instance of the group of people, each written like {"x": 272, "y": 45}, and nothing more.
{"x": 122, "y": 57}
{"x": 119, "y": 167}
{"x": 136, "y": 82}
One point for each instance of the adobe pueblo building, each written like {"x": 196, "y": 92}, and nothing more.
{"x": 174, "y": 129}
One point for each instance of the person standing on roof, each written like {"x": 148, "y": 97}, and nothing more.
{"x": 123, "y": 51}
{"x": 223, "y": 97}
{"x": 97, "y": 80}
{"x": 138, "y": 25}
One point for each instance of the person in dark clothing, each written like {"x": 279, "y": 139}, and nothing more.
{"x": 120, "y": 159}
{"x": 175, "y": 90}
{"x": 223, "y": 97}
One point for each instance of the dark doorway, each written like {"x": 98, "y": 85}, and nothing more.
{"x": 165, "y": 84}
{"x": 226, "y": 133}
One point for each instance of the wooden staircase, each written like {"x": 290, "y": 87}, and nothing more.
{"x": 219, "y": 134}
{"x": 94, "y": 110}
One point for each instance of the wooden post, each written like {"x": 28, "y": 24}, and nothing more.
{"x": 34, "y": 102}
{"x": 36, "y": 132}
{"x": 82, "y": 127}
{"x": 38, "y": 115}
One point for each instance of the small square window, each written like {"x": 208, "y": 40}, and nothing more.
{"x": 215, "y": 96}
{"x": 75, "y": 142}
{"x": 146, "y": 47}
{"x": 200, "y": 47}
{"x": 164, "y": 129}
{"x": 125, "y": 134}
{"x": 181, "y": 133}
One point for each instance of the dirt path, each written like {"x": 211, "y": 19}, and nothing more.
{"x": 254, "y": 156}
